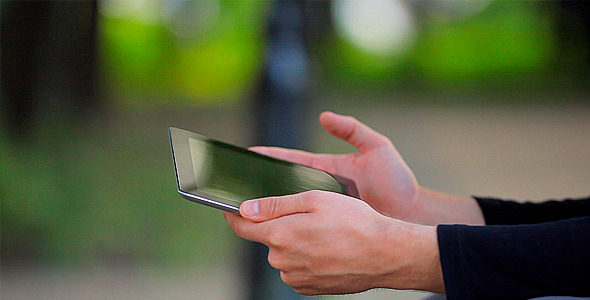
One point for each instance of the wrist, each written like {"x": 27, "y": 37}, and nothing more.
{"x": 419, "y": 213}
{"x": 433, "y": 208}
{"x": 413, "y": 258}
{"x": 426, "y": 254}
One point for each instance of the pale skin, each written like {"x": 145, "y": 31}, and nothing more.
{"x": 328, "y": 243}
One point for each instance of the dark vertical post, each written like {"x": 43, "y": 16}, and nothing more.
{"x": 22, "y": 22}
{"x": 48, "y": 60}
{"x": 280, "y": 112}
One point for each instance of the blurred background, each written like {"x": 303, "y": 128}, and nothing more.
{"x": 480, "y": 97}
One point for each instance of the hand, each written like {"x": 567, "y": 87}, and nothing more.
{"x": 384, "y": 180}
{"x": 327, "y": 243}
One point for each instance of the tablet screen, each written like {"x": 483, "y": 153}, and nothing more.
{"x": 231, "y": 174}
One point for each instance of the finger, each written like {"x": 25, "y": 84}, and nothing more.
{"x": 233, "y": 219}
{"x": 246, "y": 229}
{"x": 315, "y": 160}
{"x": 292, "y": 155}
{"x": 353, "y": 131}
{"x": 260, "y": 210}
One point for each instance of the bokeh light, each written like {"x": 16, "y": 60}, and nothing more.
{"x": 382, "y": 27}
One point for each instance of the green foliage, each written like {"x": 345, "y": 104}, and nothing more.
{"x": 347, "y": 62}
{"x": 509, "y": 45}
{"x": 505, "y": 42}
{"x": 214, "y": 66}
{"x": 102, "y": 197}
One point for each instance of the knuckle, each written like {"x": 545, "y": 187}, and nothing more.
{"x": 299, "y": 284}
{"x": 275, "y": 207}
{"x": 352, "y": 118}
{"x": 238, "y": 230}
{"x": 272, "y": 207}
{"x": 352, "y": 130}
{"x": 275, "y": 239}
{"x": 313, "y": 199}
{"x": 274, "y": 259}
{"x": 243, "y": 233}
{"x": 287, "y": 278}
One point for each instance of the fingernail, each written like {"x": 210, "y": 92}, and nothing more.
{"x": 250, "y": 208}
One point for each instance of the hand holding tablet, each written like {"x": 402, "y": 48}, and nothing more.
{"x": 309, "y": 241}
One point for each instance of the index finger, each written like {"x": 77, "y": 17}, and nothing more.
{"x": 246, "y": 229}
{"x": 320, "y": 161}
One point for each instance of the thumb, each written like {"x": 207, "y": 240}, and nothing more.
{"x": 353, "y": 131}
{"x": 264, "y": 209}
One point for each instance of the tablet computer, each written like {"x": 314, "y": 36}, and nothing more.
{"x": 223, "y": 176}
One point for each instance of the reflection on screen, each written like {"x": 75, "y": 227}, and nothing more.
{"x": 227, "y": 172}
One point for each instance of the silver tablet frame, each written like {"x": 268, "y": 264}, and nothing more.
{"x": 185, "y": 178}
{"x": 185, "y": 175}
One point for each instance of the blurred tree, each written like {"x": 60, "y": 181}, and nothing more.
{"x": 48, "y": 60}
{"x": 573, "y": 33}
{"x": 509, "y": 41}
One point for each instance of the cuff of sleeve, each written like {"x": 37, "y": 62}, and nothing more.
{"x": 493, "y": 210}
{"x": 515, "y": 261}
{"x": 454, "y": 273}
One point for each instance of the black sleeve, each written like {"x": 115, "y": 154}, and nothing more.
{"x": 502, "y": 212}
{"x": 516, "y": 261}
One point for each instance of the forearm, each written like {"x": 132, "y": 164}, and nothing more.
{"x": 516, "y": 261}
{"x": 510, "y": 212}
{"x": 433, "y": 208}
